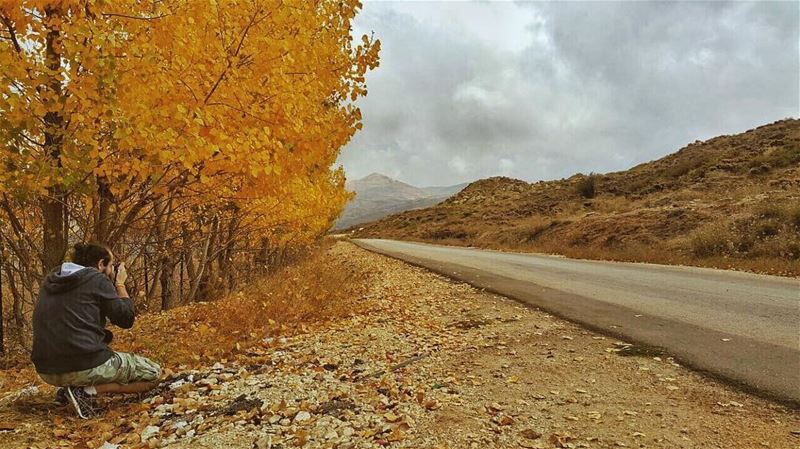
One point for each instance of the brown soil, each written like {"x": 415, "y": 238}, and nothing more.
{"x": 729, "y": 202}
{"x": 431, "y": 363}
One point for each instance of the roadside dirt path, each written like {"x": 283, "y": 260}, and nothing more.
{"x": 439, "y": 364}
{"x": 741, "y": 326}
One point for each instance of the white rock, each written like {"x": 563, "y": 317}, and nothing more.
{"x": 302, "y": 416}
{"x": 163, "y": 409}
{"x": 149, "y": 432}
{"x": 331, "y": 435}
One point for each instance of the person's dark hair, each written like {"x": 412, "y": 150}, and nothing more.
{"x": 90, "y": 254}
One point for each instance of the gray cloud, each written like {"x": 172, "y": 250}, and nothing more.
{"x": 542, "y": 90}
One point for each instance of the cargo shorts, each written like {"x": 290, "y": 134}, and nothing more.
{"x": 121, "y": 368}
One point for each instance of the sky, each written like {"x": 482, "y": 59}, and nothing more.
{"x": 543, "y": 90}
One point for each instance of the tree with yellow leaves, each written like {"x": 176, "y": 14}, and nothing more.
{"x": 187, "y": 134}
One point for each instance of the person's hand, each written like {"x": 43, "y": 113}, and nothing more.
{"x": 121, "y": 274}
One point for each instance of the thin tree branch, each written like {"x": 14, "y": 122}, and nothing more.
{"x": 13, "y": 34}
{"x": 125, "y": 16}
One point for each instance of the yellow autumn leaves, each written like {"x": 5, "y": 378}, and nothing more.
{"x": 212, "y": 105}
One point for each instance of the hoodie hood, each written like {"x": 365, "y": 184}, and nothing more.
{"x": 68, "y": 276}
{"x": 67, "y": 268}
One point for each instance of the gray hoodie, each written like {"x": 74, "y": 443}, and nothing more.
{"x": 69, "y": 319}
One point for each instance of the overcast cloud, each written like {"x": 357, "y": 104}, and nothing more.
{"x": 535, "y": 90}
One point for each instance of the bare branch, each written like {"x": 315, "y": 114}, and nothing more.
{"x": 12, "y": 33}
{"x": 125, "y": 16}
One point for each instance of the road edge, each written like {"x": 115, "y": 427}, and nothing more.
{"x": 724, "y": 378}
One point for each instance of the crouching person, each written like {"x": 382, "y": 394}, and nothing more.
{"x": 70, "y": 342}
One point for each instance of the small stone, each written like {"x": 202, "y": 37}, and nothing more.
{"x": 264, "y": 442}
{"x": 331, "y": 435}
{"x": 302, "y": 416}
{"x": 504, "y": 420}
{"x": 530, "y": 434}
{"x": 149, "y": 432}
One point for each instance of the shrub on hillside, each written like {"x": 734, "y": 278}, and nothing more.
{"x": 587, "y": 185}
{"x": 783, "y": 246}
{"x": 788, "y": 213}
{"x": 711, "y": 241}
{"x": 612, "y": 204}
{"x": 444, "y": 234}
{"x": 794, "y": 217}
{"x": 682, "y": 167}
{"x": 532, "y": 228}
{"x": 777, "y": 157}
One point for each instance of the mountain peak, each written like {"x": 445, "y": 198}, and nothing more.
{"x": 375, "y": 176}
{"x": 378, "y": 195}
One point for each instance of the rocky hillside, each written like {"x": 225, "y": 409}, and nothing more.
{"x": 378, "y": 195}
{"x": 732, "y": 201}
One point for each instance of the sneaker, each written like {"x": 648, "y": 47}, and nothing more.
{"x": 61, "y": 397}
{"x": 81, "y": 401}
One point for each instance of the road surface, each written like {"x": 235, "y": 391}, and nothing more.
{"x": 741, "y": 327}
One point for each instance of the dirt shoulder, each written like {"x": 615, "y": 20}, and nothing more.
{"x": 432, "y": 364}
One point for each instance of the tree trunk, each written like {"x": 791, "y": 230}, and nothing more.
{"x": 226, "y": 254}
{"x": 262, "y": 255}
{"x": 205, "y": 260}
{"x": 103, "y": 219}
{"x": 180, "y": 280}
{"x": 188, "y": 260}
{"x": 2, "y": 316}
{"x": 166, "y": 282}
{"x": 54, "y": 208}
{"x": 161, "y": 209}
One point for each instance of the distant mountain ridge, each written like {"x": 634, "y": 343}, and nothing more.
{"x": 378, "y": 195}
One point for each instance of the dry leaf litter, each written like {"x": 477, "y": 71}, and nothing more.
{"x": 439, "y": 364}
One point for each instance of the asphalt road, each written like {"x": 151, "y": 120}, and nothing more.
{"x": 740, "y": 327}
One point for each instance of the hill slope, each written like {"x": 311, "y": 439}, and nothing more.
{"x": 730, "y": 202}
{"x": 378, "y": 195}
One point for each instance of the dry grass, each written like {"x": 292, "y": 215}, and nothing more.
{"x": 310, "y": 293}
{"x": 712, "y": 240}
{"x": 612, "y": 204}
